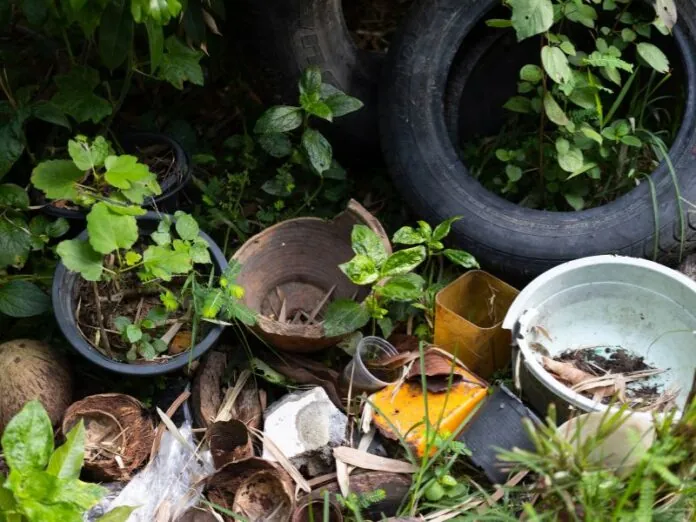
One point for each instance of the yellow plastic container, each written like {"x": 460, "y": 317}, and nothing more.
{"x": 469, "y": 313}
{"x": 403, "y": 408}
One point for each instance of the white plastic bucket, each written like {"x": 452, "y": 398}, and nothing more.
{"x": 641, "y": 306}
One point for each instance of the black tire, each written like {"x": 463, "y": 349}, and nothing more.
{"x": 506, "y": 238}
{"x": 291, "y": 35}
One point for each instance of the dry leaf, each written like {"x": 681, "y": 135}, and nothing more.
{"x": 364, "y": 460}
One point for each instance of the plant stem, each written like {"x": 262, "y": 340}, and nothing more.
{"x": 100, "y": 317}
{"x": 542, "y": 123}
{"x": 68, "y": 47}
{"x": 311, "y": 198}
{"x": 124, "y": 90}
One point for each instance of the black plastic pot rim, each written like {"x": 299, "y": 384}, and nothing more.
{"x": 182, "y": 161}
{"x": 64, "y": 311}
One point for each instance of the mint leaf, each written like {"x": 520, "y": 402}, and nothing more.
{"x": 76, "y": 98}
{"x": 281, "y": 118}
{"x": 317, "y": 149}
{"x": 78, "y": 256}
{"x": 186, "y": 226}
{"x": 276, "y": 144}
{"x": 66, "y": 462}
{"x": 13, "y": 196}
{"x": 342, "y": 104}
{"x": 180, "y": 63}
{"x": 404, "y": 261}
{"x": 531, "y": 17}
{"x": 366, "y": 242}
{"x": 361, "y": 270}
{"x": 344, "y": 316}
{"x": 27, "y": 442}
{"x": 23, "y": 299}
{"x": 109, "y": 231}
{"x": 124, "y": 171}
{"x": 310, "y": 82}
{"x": 57, "y": 179}
{"x": 15, "y": 242}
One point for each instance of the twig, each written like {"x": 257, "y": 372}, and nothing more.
{"x": 100, "y": 317}
{"x": 283, "y": 312}
{"x": 321, "y": 304}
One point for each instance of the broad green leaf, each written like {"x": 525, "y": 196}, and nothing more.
{"x": 11, "y": 145}
{"x": 386, "y": 325}
{"x": 319, "y": 109}
{"x": 66, "y": 461}
{"x": 281, "y": 185}
{"x": 425, "y": 229}
{"x": 82, "y": 495}
{"x": 554, "y": 111}
{"x": 87, "y": 155}
{"x": 317, "y": 149}
{"x": 631, "y": 141}
{"x": 404, "y": 287}
{"x": 186, "y": 226}
{"x": 556, "y": 65}
{"x": 581, "y": 13}
{"x": 627, "y": 35}
{"x": 159, "y": 11}
{"x": 461, "y": 258}
{"x": 531, "y": 17}
{"x": 361, "y": 270}
{"x": 575, "y": 201}
{"x": 109, "y": 231}
{"x": 57, "y": 179}
{"x": 409, "y": 236}
{"x": 571, "y": 160}
{"x": 654, "y": 57}
{"x": 155, "y": 41}
{"x": 49, "y": 112}
{"x": 562, "y": 146}
{"x": 27, "y": 442}
{"x": 76, "y": 98}
{"x": 276, "y": 144}
{"x": 200, "y": 252}
{"x": 13, "y": 196}
{"x": 15, "y": 242}
{"x": 585, "y": 168}
{"x": 281, "y": 118}
{"x": 119, "y": 514}
{"x": 78, "y": 256}
{"x": 310, "y": 81}
{"x": 518, "y": 104}
{"x": 592, "y": 134}
{"x": 125, "y": 209}
{"x": 568, "y": 48}
{"x": 125, "y": 170}
{"x": 180, "y": 63}
{"x": 133, "y": 333}
{"x": 403, "y": 261}
{"x": 23, "y": 299}
{"x": 115, "y": 33}
{"x": 531, "y": 73}
{"x": 342, "y": 104}
{"x": 443, "y": 229}
{"x": 513, "y": 172}
{"x": 343, "y": 317}
{"x": 165, "y": 261}
{"x": 366, "y": 242}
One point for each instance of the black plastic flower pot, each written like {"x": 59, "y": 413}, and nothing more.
{"x": 64, "y": 294}
{"x": 171, "y": 185}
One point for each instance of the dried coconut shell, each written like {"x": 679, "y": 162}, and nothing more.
{"x": 266, "y": 496}
{"x": 195, "y": 514}
{"x": 222, "y": 486}
{"x": 206, "y": 395}
{"x": 33, "y": 370}
{"x": 118, "y": 434}
{"x": 229, "y": 442}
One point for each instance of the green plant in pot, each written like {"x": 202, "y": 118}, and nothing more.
{"x": 594, "y": 114}
{"x": 402, "y": 285}
{"x": 143, "y": 290}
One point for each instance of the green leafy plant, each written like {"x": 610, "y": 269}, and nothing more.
{"x": 142, "y": 343}
{"x": 43, "y": 484}
{"x": 358, "y": 502}
{"x": 283, "y": 149}
{"x": 392, "y": 278}
{"x": 95, "y": 173}
{"x": 588, "y": 122}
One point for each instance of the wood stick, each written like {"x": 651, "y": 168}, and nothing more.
{"x": 100, "y": 317}
{"x": 321, "y": 304}
{"x": 283, "y": 312}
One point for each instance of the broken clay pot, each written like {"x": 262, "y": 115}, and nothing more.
{"x": 229, "y": 442}
{"x": 266, "y": 496}
{"x": 290, "y": 273}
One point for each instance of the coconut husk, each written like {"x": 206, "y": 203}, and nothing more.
{"x": 118, "y": 434}
{"x": 222, "y": 486}
{"x": 266, "y": 496}
{"x": 195, "y": 514}
{"x": 229, "y": 442}
{"x": 31, "y": 370}
{"x": 206, "y": 395}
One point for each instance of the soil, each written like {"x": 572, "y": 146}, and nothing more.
{"x": 372, "y": 23}
{"x": 159, "y": 158}
{"x": 617, "y": 360}
{"x": 133, "y": 300}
